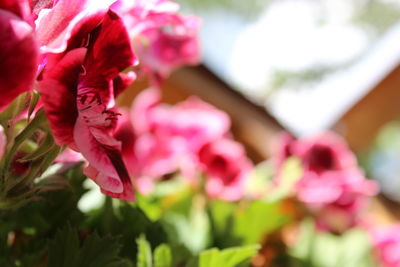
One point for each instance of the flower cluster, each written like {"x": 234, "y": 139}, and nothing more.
{"x": 77, "y": 52}
{"x": 189, "y": 138}
{"x": 331, "y": 184}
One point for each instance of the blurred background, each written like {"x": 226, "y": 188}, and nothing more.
{"x": 303, "y": 66}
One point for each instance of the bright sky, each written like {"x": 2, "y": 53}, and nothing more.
{"x": 295, "y": 35}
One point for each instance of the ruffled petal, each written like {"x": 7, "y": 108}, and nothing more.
{"x": 54, "y": 26}
{"x": 58, "y": 89}
{"x": 106, "y": 160}
{"x": 103, "y": 63}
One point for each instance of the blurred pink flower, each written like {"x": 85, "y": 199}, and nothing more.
{"x": 226, "y": 167}
{"x": 166, "y": 139}
{"x": 78, "y": 96}
{"x": 69, "y": 155}
{"x": 164, "y": 40}
{"x": 171, "y": 46}
{"x": 18, "y": 50}
{"x": 142, "y": 110}
{"x": 386, "y": 241}
{"x": 331, "y": 185}
{"x": 193, "y": 120}
{"x": 324, "y": 152}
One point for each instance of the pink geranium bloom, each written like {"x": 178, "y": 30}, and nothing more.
{"x": 78, "y": 96}
{"x": 324, "y": 152}
{"x": 226, "y": 167}
{"x": 163, "y": 39}
{"x": 331, "y": 185}
{"x": 176, "y": 44}
{"x": 171, "y": 136}
{"x": 197, "y": 122}
{"x": 386, "y": 241}
{"x": 159, "y": 150}
{"x": 142, "y": 110}
{"x": 18, "y": 51}
{"x": 168, "y": 138}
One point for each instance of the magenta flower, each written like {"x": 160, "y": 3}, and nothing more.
{"x": 324, "y": 152}
{"x": 331, "y": 185}
{"x": 164, "y": 49}
{"x": 160, "y": 150}
{"x": 226, "y": 167}
{"x": 142, "y": 110}
{"x": 164, "y": 40}
{"x": 197, "y": 122}
{"x": 78, "y": 96}
{"x": 18, "y": 51}
{"x": 329, "y": 169}
{"x": 386, "y": 241}
{"x": 167, "y": 139}
{"x": 57, "y": 19}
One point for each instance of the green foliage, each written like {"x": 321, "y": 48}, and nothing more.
{"x": 162, "y": 256}
{"x": 229, "y": 257}
{"x": 96, "y": 251}
{"x": 320, "y": 249}
{"x": 144, "y": 255}
{"x": 247, "y": 224}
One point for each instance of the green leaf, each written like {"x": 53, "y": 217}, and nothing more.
{"x": 162, "y": 256}
{"x": 229, "y": 257}
{"x": 314, "y": 248}
{"x": 245, "y": 224}
{"x": 144, "y": 255}
{"x": 96, "y": 251}
{"x": 100, "y": 251}
{"x": 190, "y": 227}
{"x": 64, "y": 248}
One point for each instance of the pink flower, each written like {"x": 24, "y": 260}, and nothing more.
{"x": 159, "y": 151}
{"x": 57, "y": 19}
{"x": 329, "y": 169}
{"x": 18, "y": 51}
{"x": 197, "y": 122}
{"x": 69, "y": 155}
{"x": 78, "y": 96}
{"x": 164, "y": 49}
{"x": 168, "y": 138}
{"x": 331, "y": 185}
{"x": 324, "y": 152}
{"x": 386, "y": 241}
{"x": 142, "y": 110}
{"x": 226, "y": 167}
{"x": 163, "y": 39}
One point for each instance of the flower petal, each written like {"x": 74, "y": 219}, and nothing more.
{"x": 103, "y": 63}
{"x": 54, "y": 26}
{"x": 58, "y": 89}
{"x": 106, "y": 159}
{"x": 19, "y": 57}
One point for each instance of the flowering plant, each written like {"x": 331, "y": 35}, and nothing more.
{"x": 82, "y": 179}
